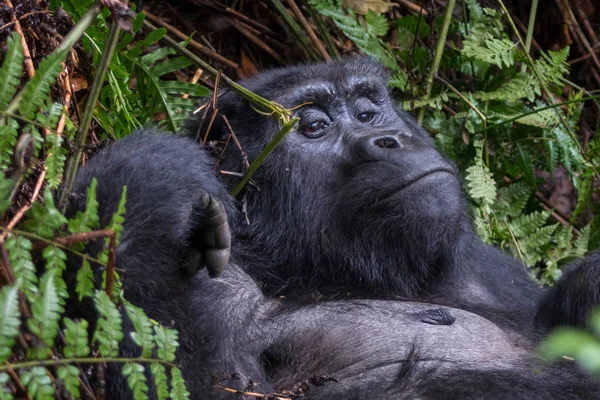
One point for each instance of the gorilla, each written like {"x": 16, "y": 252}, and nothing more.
{"x": 354, "y": 271}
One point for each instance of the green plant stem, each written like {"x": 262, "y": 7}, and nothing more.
{"x": 84, "y": 360}
{"x": 530, "y": 26}
{"x": 88, "y": 113}
{"x": 329, "y": 44}
{"x": 466, "y": 23}
{"x": 439, "y": 50}
{"x": 537, "y": 111}
{"x": 263, "y": 155}
{"x": 72, "y": 37}
{"x": 547, "y": 92}
{"x": 281, "y": 113}
{"x": 463, "y": 98}
{"x": 52, "y": 243}
{"x": 298, "y": 31}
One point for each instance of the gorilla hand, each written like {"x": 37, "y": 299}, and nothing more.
{"x": 210, "y": 242}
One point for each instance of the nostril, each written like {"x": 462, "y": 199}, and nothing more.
{"x": 387, "y": 142}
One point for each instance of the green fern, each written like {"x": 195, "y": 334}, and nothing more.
{"x": 528, "y": 224}
{"x": 143, "y": 334}
{"x": 160, "y": 381}
{"x": 178, "y": 389}
{"x": 76, "y": 338}
{"x": 87, "y": 220}
{"x": 9, "y": 321}
{"x": 44, "y": 219}
{"x": 512, "y": 198}
{"x": 166, "y": 342}
{"x": 11, "y": 70}
{"x": 38, "y": 383}
{"x": 69, "y": 375}
{"x": 37, "y": 89}
{"x": 85, "y": 281}
{"x": 5, "y": 190}
{"x": 136, "y": 380}
{"x": 365, "y": 39}
{"x": 5, "y": 392}
{"x": 55, "y": 159}
{"x": 45, "y": 311}
{"x": 480, "y": 184}
{"x": 109, "y": 331}
{"x": 19, "y": 249}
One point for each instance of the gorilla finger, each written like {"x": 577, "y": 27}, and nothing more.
{"x": 216, "y": 260}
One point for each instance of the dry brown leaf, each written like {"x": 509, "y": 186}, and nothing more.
{"x": 363, "y": 6}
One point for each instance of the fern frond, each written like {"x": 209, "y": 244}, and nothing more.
{"x": 582, "y": 243}
{"x": 45, "y": 314}
{"x": 11, "y": 70}
{"x": 44, "y": 219}
{"x": 143, "y": 335}
{"x": 55, "y": 159}
{"x": 8, "y": 140}
{"x": 109, "y": 330}
{"x": 5, "y": 392}
{"x": 69, "y": 375}
{"x": 10, "y": 320}
{"x": 512, "y": 198}
{"x": 160, "y": 381}
{"x": 136, "y": 380}
{"x": 19, "y": 254}
{"x": 166, "y": 342}
{"x": 38, "y": 88}
{"x": 365, "y": 39}
{"x": 178, "y": 389}
{"x": 494, "y": 51}
{"x": 552, "y": 66}
{"x": 480, "y": 184}
{"x": 38, "y": 383}
{"x": 76, "y": 338}
{"x": 85, "y": 281}
{"x": 89, "y": 219}
{"x": 527, "y": 224}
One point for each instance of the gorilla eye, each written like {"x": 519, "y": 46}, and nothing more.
{"x": 365, "y": 117}
{"x": 313, "y": 130}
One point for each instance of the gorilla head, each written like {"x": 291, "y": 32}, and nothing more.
{"x": 356, "y": 194}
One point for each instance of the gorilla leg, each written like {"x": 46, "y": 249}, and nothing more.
{"x": 573, "y": 298}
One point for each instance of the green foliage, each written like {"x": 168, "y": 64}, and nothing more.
{"x": 365, "y": 35}
{"x": 76, "y": 338}
{"x": 69, "y": 375}
{"x": 136, "y": 380}
{"x": 109, "y": 331}
{"x": 46, "y": 310}
{"x": 166, "y": 342}
{"x": 38, "y": 384}
{"x": 9, "y": 322}
{"x": 160, "y": 381}
{"x": 143, "y": 334}
{"x": 45, "y": 218}
{"x": 580, "y": 345}
{"x": 178, "y": 391}
{"x": 19, "y": 254}
{"x": 85, "y": 221}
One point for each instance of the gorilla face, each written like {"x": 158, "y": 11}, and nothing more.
{"x": 356, "y": 190}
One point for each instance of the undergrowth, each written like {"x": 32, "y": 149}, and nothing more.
{"x": 503, "y": 126}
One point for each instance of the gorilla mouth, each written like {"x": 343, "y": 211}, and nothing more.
{"x": 416, "y": 179}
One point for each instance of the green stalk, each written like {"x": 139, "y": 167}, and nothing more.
{"x": 88, "y": 113}
{"x": 530, "y": 26}
{"x": 439, "y": 50}
{"x": 287, "y": 128}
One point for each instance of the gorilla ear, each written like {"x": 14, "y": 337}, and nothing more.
{"x": 205, "y": 124}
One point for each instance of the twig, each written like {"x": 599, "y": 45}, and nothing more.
{"x": 309, "y": 31}
{"x": 414, "y": 7}
{"x": 19, "y": 214}
{"x": 283, "y": 12}
{"x": 193, "y": 43}
{"x": 26, "y": 53}
{"x": 257, "y": 41}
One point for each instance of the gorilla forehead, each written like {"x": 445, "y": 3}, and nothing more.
{"x": 277, "y": 83}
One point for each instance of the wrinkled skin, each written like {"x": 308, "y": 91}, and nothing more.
{"x": 355, "y": 206}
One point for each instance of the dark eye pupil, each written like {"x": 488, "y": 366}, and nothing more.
{"x": 313, "y": 127}
{"x": 365, "y": 117}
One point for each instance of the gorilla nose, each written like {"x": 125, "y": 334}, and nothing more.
{"x": 387, "y": 142}
{"x": 378, "y": 147}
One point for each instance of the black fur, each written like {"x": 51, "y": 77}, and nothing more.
{"x": 369, "y": 210}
